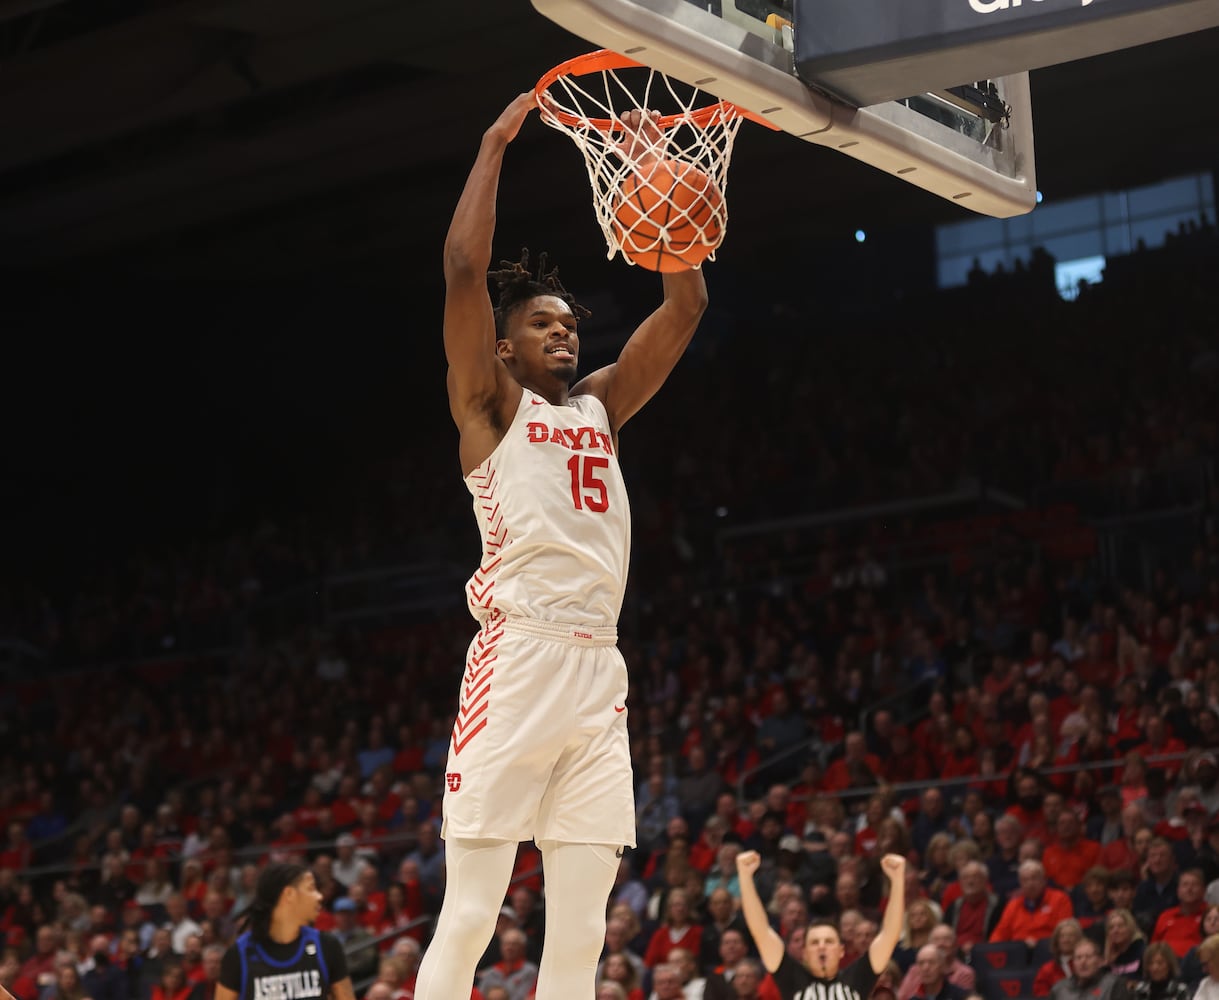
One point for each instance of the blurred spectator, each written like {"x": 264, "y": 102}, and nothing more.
{"x": 346, "y": 867}
{"x": 356, "y": 941}
{"x": 933, "y": 983}
{"x": 172, "y": 984}
{"x": 1070, "y": 855}
{"x": 954, "y": 971}
{"x": 38, "y": 971}
{"x": 723, "y": 917}
{"x": 617, "y": 969}
{"x": 101, "y": 978}
{"x": 1157, "y": 891}
{"x": 974, "y": 914}
{"x": 1062, "y": 951}
{"x": 429, "y": 856}
{"x": 693, "y": 985}
{"x": 1161, "y": 976}
{"x": 666, "y": 982}
{"x": 677, "y": 930}
{"x": 1124, "y": 944}
{"x": 205, "y": 987}
{"x": 628, "y": 889}
{"x": 1180, "y": 926}
{"x": 180, "y": 925}
{"x": 1088, "y": 978}
{"x": 1192, "y": 972}
{"x": 514, "y": 972}
{"x": 1035, "y": 911}
{"x": 1004, "y": 864}
{"x": 749, "y": 982}
{"x": 67, "y": 984}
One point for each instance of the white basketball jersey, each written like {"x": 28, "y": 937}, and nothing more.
{"x": 552, "y": 510}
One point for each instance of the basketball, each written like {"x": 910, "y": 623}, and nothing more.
{"x": 670, "y": 217}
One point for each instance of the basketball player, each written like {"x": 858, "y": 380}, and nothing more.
{"x": 539, "y": 749}
{"x": 818, "y": 977}
{"x": 280, "y": 956}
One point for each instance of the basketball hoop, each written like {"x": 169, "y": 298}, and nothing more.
{"x": 678, "y": 215}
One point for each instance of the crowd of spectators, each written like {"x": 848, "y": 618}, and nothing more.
{"x": 1038, "y": 739}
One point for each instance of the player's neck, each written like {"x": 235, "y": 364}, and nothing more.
{"x": 554, "y": 391}
{"x": 284, "y": 930}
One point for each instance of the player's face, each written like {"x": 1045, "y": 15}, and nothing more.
{"x": 542, "y": 337}
{"x": 306, "y": 899}
{"x": 822, "y": 951}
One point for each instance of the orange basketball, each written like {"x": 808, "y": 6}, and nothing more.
{"x": 670, "y": 217}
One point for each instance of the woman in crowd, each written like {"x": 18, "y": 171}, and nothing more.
{"x": 1161, "y": 976}
{"x": 619, "y": 972}
{"x": 172, "y": 985}
{"x": 1192, "y": 971}
{"x": 1208, "y": 954}
{"x": 1124, "y": 943}
{"x": 67, "y": 985}
{"x": 938, "y": 870}
{"x": 1062, "y": 946}
{"x": 396, "y": 914}
{"x": 677, "y": 930}
{"x": 921, "y": 917}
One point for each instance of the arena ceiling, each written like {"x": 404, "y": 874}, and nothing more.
{"x": 227, "y": 139}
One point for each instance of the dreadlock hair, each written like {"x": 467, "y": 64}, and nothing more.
{"x": 517, "y": 285}
{"x": 272, "y": 882}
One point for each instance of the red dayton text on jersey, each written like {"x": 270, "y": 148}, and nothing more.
{"x": 454, "y": 780}
{"x": 577, "y": 440}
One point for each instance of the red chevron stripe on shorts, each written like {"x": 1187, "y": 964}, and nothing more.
{"x": 476, "y": 685}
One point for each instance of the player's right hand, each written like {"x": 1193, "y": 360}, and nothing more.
{"x": 643, "y": 140}
{"x": 510, "y": 120}
{"x": 748, "y": 862}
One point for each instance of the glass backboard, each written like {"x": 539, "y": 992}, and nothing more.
{"x": 971, "y": 144}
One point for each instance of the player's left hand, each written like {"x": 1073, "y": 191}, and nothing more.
{"x": 894, "y": 866}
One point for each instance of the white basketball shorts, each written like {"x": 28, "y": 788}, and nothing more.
{"x": 540, "y": 748}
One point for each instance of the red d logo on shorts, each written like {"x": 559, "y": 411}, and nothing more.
{"x": 454, "y": 780}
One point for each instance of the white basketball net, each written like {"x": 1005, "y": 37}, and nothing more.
{"x": 589, "y": 107}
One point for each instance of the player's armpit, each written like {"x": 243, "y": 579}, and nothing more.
{"x": 342, "y": 990}
{"x": 652, "y": 351}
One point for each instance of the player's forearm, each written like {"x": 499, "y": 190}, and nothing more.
{"x": 468, "y": 244}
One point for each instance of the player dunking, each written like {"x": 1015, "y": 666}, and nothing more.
{"x": 281, "y": 957}
{"x": 539, "y": 749}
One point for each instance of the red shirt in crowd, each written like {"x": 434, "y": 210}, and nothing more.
{"x": 1179, "y": 930}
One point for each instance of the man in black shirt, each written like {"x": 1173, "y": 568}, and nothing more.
{"x": 818, "y": 977}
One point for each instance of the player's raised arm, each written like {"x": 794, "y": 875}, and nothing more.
{"x": 881, "y": 949}
{"x": 475, "y": 375}
{"x": 655, "y": 347}
{"x": 768, "y": 943}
